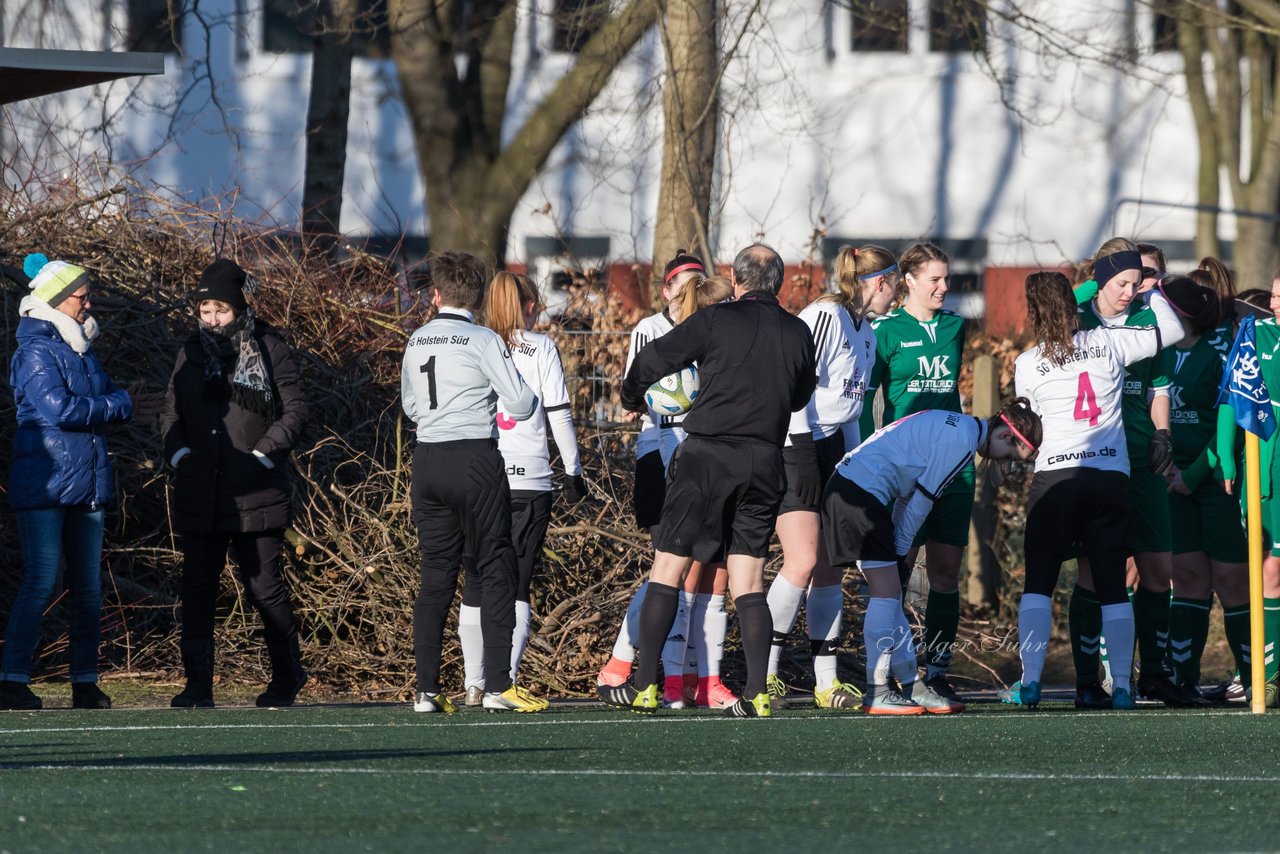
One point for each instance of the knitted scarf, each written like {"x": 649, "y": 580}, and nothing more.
{"x": 236, "y": 345}
{"x": 79, "y": 336}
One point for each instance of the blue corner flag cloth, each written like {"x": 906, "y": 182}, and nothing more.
{"x": 1243, "y": 386}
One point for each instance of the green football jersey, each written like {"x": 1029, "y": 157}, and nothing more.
{"x": 1196, "y": 372}
{"x": 917, "y": 363}
{"x": 1139, "y": 379}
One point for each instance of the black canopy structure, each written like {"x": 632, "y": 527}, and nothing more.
{"x": 29, "y": 73}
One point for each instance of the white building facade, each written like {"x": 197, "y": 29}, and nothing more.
{"x": 1014, "y": 149}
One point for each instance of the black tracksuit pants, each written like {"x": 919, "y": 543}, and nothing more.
{"x": 257, "y": 556}
{"x": 461, "y": 500}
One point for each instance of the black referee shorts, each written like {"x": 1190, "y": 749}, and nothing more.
{"x": 650, "y": 490}
{"x": 855, "y": 525}
{"x": 722, "y": 498}
{"x": 830, "y": 453}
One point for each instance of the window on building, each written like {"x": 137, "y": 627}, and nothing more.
{"x": 1164, "y": 26}
{"x": 289, "y": 26}
{"x": 155, "y": 26}
{"x": 880, "y": 25}
{"x": 957, "y": 26}
{"x": 574, "y": 22}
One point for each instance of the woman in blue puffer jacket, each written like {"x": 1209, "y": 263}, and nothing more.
{"x": 61, "y": 476}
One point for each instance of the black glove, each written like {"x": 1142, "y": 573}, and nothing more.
{"x": 804, "y": 456}
{"x": 575, "y": 488}
{"x": 1160, "y": 451}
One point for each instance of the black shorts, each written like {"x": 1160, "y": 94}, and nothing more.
{"x": 650, "y": 490}
{"x": 855, "y": 525}
{"x": 830, "y": 453}
{"x": 1078, "y": 511}
{"x": 722, "y": 498}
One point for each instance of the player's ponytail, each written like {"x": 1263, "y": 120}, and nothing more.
{"x": 1018, "y": 416}
{"x": 699, "y": 292}
{"x": 1051, "y": 314}
{"x": 504, "y": 305}
{"x": 854, "y": 270}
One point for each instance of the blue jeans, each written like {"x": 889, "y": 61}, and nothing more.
{"x": 73, "y": 533}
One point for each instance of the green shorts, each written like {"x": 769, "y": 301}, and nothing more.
{"x": 1270, "y": 519}
{"x": 1208, "y": 520}
{"x": 948, "y": 521}
{"x": 1149, "y": 527}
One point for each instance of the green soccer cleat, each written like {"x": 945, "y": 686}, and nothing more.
{"x": 777, "y": 691}
{"x": 758, "y": 706}
{"x": 433, "y": 703}
{"x": 839, "y": 696}
{"x": 625, "y": 696}
{"x": 514, "y": 699}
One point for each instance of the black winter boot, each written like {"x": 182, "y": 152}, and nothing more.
{"x": 287, "y": 675}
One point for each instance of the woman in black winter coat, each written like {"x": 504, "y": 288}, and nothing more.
{"x": 234, "y": 410}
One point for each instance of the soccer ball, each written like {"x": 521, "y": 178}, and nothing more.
{"x": 675, "y": 393}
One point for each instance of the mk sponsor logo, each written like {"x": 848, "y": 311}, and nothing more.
{"x": 934, "y": 368}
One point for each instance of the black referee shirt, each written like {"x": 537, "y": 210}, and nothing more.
{"x": 756, "y": 364}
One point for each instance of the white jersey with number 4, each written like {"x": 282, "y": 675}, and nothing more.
{"x": 524, "y": 443}
{"x": 1079, "y": 400}
{"x": 846, "y": 351}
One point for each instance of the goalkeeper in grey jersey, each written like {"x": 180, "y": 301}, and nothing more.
{"x": 453, "y": 374}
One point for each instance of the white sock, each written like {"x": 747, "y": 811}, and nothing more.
{"x": 715, "y": 625}
{"x": 1117, "y": 625}
{"x": 673, "y": 650}
{"x": 879, "y": 635}
{"x": 519, "y": 637}
{"x": 696, "y": 660}
{"x": 906, "y": 668}
{"x": 629, "y": 633}
{"x": 823, "y": 611}
{"x": 1035, "y": 621}
{"x": 471, "y": 637}
{"x": 784, "y": 604}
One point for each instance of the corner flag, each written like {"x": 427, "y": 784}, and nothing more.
{"x": 1243, "y": 387}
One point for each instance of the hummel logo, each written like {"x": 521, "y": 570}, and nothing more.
{"x": 905, "y": 344}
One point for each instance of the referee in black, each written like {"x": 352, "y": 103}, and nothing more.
{"x": 757, "y": 365}
{"x": 453, "y": 373}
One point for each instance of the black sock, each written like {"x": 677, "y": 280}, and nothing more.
{"x": 657, "y": 616}
{"x": 755, "y": 622}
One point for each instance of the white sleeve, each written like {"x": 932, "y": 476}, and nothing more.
{"x": 852, "y": 432}
{"x": 408, "y": 400}
{"x": 518, "y": 400}
{"x": 1167, "y": 332}
{"x": 555, "y": 400}
{"x": 908, "y": 516}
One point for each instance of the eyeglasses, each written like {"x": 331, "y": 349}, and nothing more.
{"x": 84, "y": 297}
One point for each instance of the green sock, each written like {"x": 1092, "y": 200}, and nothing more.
{"x": 1236, "y": 622}
{"x": 941, "y": 622}
{"x": 1188, "y": 631}
{"x": 1151, "y": 625}
{"x": 1271, "y": 628}
{"x": 1084, "y": 620}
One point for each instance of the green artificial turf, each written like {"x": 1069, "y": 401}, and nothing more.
{"x": 382, "y": 778}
